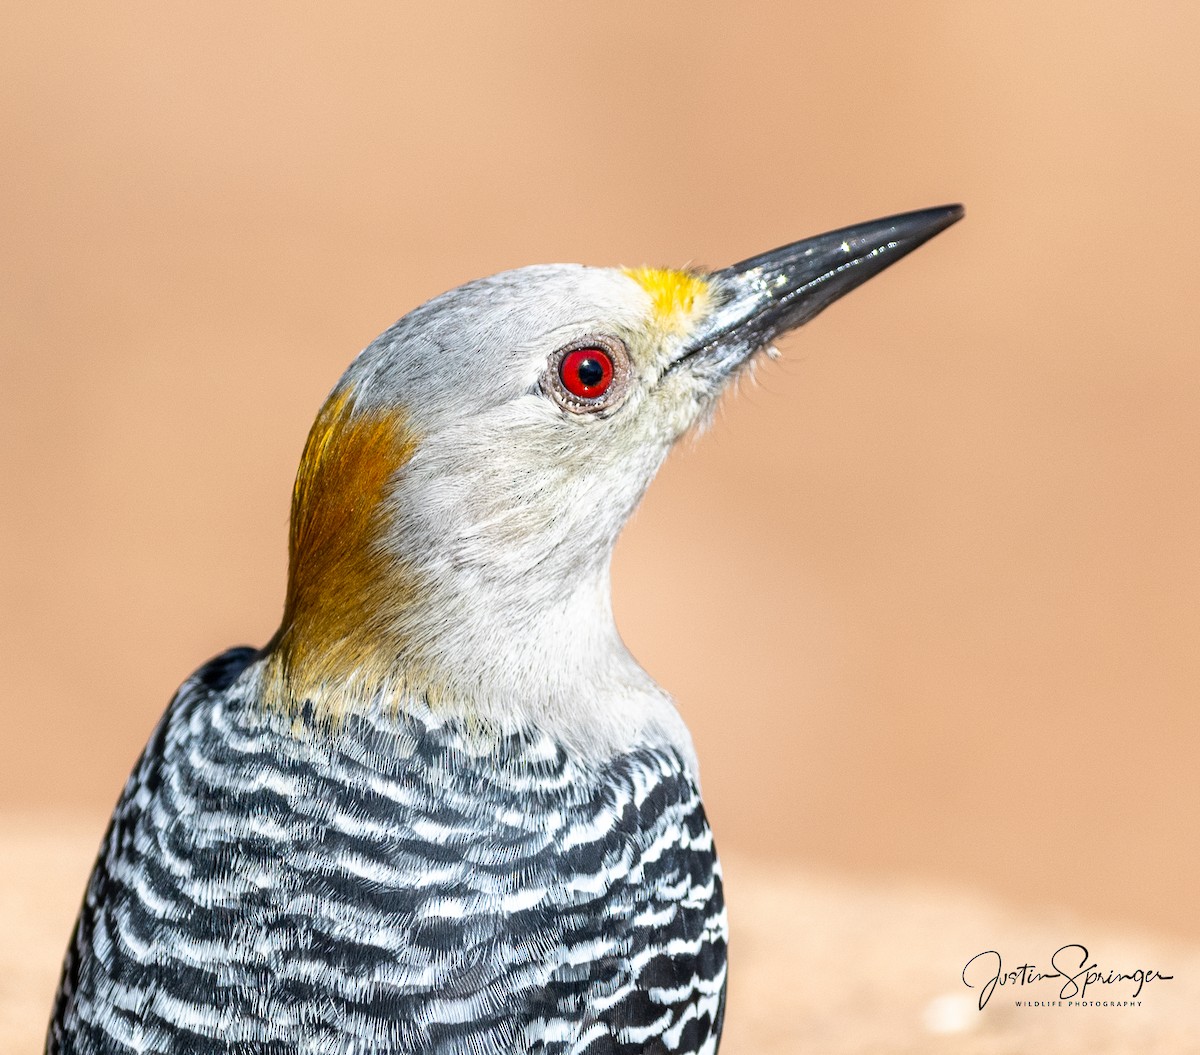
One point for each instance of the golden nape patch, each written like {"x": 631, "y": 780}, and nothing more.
{"x": 677, "y": 296}
{"x": 336, "y": 645}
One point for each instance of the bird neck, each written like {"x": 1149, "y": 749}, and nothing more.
{"x": 391, "y": 603}
{"x": 337, "y": 574}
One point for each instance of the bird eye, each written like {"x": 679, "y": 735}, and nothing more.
{"x": 590, "y": 375}
{"x": 586, "y": 372}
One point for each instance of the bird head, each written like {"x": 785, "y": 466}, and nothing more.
{"x": 460, "y": 493}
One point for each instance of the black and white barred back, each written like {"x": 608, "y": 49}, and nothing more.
{"x": 267, "y": 888}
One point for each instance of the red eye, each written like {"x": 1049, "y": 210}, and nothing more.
{"x": 586, "y": 372}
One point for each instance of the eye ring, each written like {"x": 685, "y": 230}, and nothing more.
{"x": 589, "y": 375}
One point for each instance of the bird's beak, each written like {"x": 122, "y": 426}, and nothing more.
{"x": 777, "y": 291}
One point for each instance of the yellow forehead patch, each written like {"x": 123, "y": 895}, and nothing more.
{"x": 677, "y": 296}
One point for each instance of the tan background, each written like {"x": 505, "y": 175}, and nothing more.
{"x": 927, "y": 593}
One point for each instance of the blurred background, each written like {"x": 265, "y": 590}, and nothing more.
{"x": 927, "y": 592}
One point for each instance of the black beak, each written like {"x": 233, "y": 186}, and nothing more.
{"x": 777, "y": 291}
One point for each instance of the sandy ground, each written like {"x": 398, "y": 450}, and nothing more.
{"x": 817, "y": 965}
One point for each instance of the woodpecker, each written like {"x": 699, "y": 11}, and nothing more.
{"x": 444, "y": 811}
